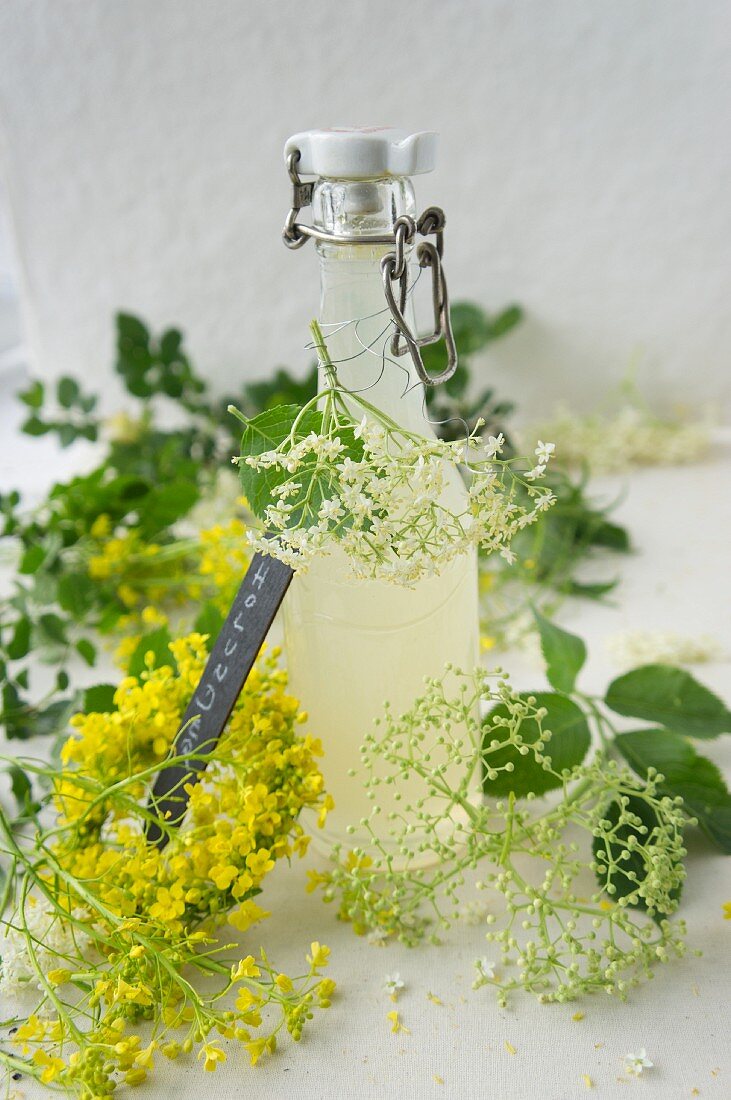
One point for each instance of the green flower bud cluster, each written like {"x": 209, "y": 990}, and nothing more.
{"x": 581, "y": 886}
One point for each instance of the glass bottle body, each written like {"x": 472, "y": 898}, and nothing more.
{"x": 353, "y": 645}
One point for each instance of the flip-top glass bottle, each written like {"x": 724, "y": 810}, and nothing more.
{"x": 351, "y": 645}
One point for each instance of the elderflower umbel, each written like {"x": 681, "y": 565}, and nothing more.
{"x": 632, "y": 436}
{"x": 646, "y": 647}
{"x": 554, "y": 941}
{"x": 381, "y": 493}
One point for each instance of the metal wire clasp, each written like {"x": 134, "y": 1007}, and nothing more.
{"x": 394, "y": 268}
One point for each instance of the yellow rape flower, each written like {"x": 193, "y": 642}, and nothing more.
{"x": 245, "y": 915}
{"x": 212, "y": 1054}
{"x": 169, "y": 904}
{"x": 52, "y": 1066}
{"x": 328, "y": 804}
{"x": 246, "y": 1000}
{"x": 257, "y": 1047}
{"x": 136, "y": 1076}
{"x": 318, "y": 955}
{"x": 259, "y": 863}
{"x": 396, "y": 1024}
{"x": 246, "y": 968}
{"x": 144, "y": 1058}
{"x": 58, "y": 976}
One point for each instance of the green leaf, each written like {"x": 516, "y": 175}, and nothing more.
{"x": 53, "y": 627}
{"x": 563, "y": 652}
{"x": 264, "y": 433}
{"x": 695, "y": 778}
{"x": 54, "y": 718}
{"x": 209, "y": 621}
{"x": 505, "y": 321}
{"x": 67, "y": 391}
{"x": 456, "y": 386}
{"x": 607, "y": 850}
{"x": 67, "y": 434}
{"x": 131, "y": 332}
{"x": 19, "y": 644}
{"x": 22, "y": 789}
{"x": 671, "y": 697}
{"x": 593, "y": 591}
{"x": 76, "y": 593}
{"x": 567, "y": 747}
{"x": 156, "y": 642}
{"x": 86, "y": 650}
{"x": 610, "y": 535}
{"x": 282, "y": 388}
{"x": 470, "y": 327}
{"x": 34, "y": 426}
{"x": 99, "y": 699}
{"x": 33, "y": 396}
{"x": 15, "y": 713}
{"x": 165, "y": 504}
{"x": 32, "y": 559}
{"x": 171, "y": 343}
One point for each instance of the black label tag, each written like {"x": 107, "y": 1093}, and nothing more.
{"x": 232, "y": 657}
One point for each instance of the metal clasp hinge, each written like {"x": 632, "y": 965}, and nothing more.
{"x": 301, "y": 196}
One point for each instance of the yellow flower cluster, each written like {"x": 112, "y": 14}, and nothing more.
{"x": 142, "y": 572}
{"x": 151, "y": 579}
{"x": 224, "y": 558}
{"x": 242, "y": 816}
{"x": 148, "y": 912}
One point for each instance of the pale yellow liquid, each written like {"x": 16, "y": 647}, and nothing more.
{"x": 352, "y": 645}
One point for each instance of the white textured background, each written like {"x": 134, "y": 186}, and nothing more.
{"x": 585, "y": 173}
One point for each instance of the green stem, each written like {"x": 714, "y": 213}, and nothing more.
{"x": 508, "y": 830}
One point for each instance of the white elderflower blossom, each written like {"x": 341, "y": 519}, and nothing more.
{"x": 636, "y": 1063}
{"x": 51, "y": 938}
{"x": 544, "y": 451}
{"x": 485, "y": 972}
{"x": 330, "y": 509}
{"x": 393, "y": 984}
{"x": 493, "y": 446}
{"x": 486, "y": 967}
{"x": 474, "y": 912}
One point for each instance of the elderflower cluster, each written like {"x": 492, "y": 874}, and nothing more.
{"x": 558, "y": 936}
{"x": 129, "y": 917}
{"x": 392, "y": 500}
{"x": 645, "y": 647}
{"x": 630, "y": 437}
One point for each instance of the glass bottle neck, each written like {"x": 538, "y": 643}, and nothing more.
{"x": 354, "y": 314}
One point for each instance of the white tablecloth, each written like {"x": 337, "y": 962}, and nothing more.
{"x": 678, "y": 579}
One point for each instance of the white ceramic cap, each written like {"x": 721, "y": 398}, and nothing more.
{"x": 367, "y": 153}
